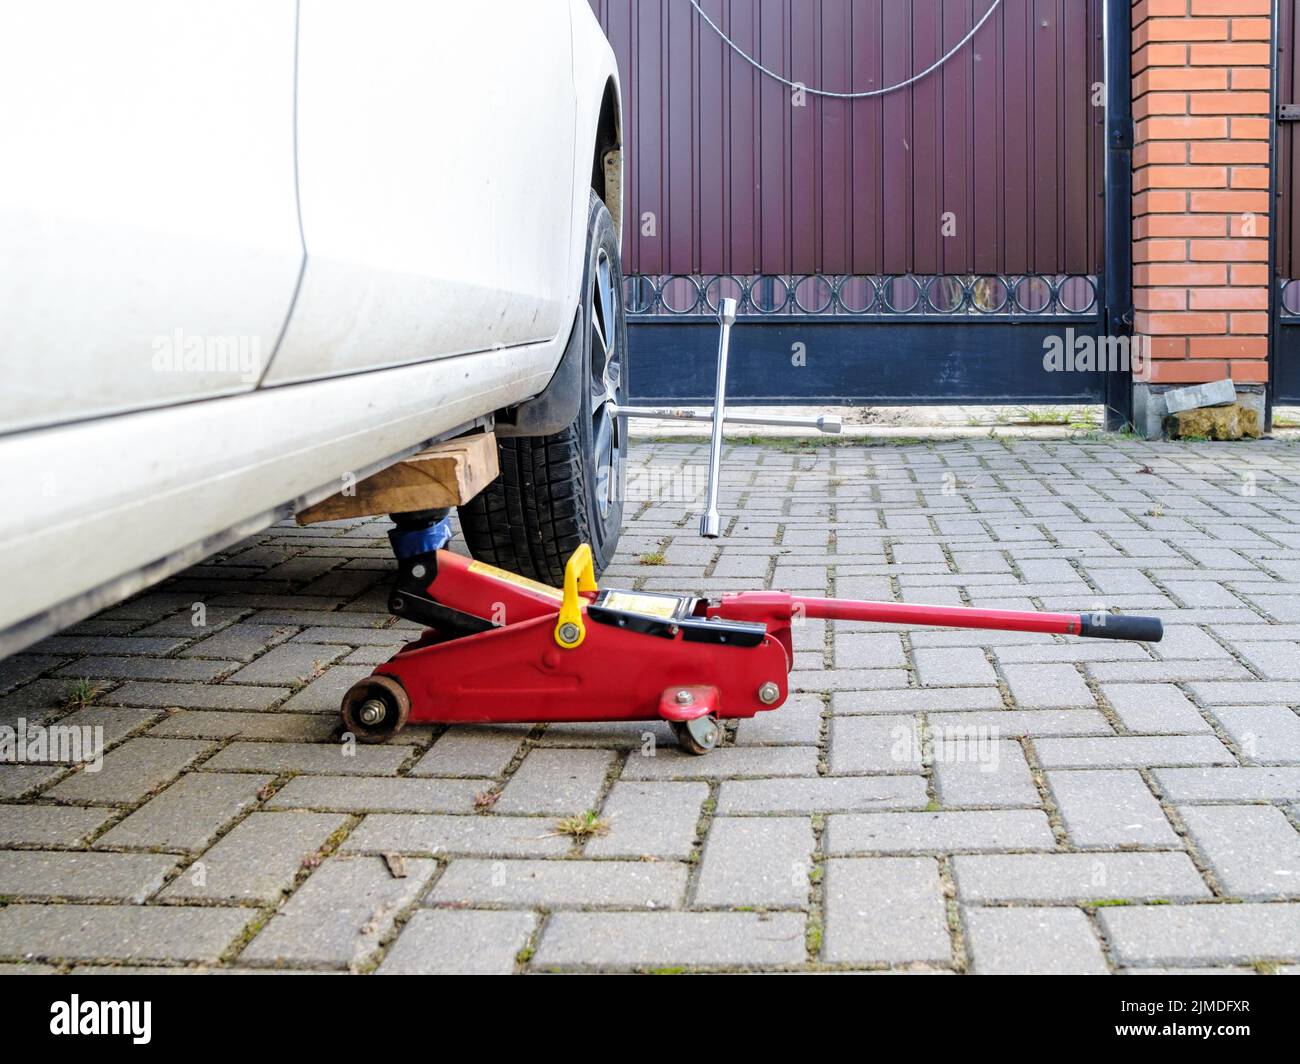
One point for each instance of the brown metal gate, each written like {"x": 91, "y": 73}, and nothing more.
{"x": 930, "y": 239}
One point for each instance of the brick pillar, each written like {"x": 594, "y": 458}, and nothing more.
{"x": 1201, "y": 207}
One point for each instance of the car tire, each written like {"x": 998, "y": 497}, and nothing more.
{"x": 557, "y": 492}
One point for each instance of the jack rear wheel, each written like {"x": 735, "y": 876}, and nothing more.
{"x": 698, "y": 736}
{"x": 375, "y": 709}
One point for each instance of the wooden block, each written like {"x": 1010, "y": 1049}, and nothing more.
{"x": 447, "y": 474}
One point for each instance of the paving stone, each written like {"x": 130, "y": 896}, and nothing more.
{"x": 650, "y": 820}
{"x": 369, "y": 794}
{"x": 1249, "y": 692}
{"x": 459, "y": 942}
{"x": 258, "y": 859}
{"x": 50, "y": 825}
{"x": 1253, "y": 849}
{"x": 885, "y": 909}
{"x": 132, "y": 771}
{"x": 1073, "y": 877}
{"x": 874, "y": 744}
{"x": 291, "y": 663}
{"x": 39, "y": 874}
{"x": 1272, "y": 660}
{"x": 959, "y": 832}
{"x": 108, "y": 668}
{"x": 1154, "y": 709}
{"x": 1266, "y": 735}
{"x": 561, "y": 884}
{"x": 189, "y": 814}
{"x": 821, "y": 794}
{"x": 1032, "y": 941}
{"x": 470, "y": 751}
{"x": 341, "y": 914}
{"x": 119, "y": 932}
{"x": 325, "y": 693}
{"x": 1228, "y": 784}
{"x": 668, "y": 939}
{"x": 556, "y": 781}
{"x": 1202, "y": 934}
{"x": 868, "y": 650}
{"x": 1047, "y": 687}
{"x": 999, "y": 777}
{"x": 798, "y": 722}
{"x": 936, "y": 700}
{"x": 239, "y": 642}
{"x": 1012, "y": 724}
{"x": 759, "y": 861}
{"x": 733, "y": 761}
{"x": 326, "y": 759}
{"x": 286, "y": 727}
{"x": 18, "y": 780}
{"x": 1136, "y": 751}
{"x": 473, "y": 836}
{"x": 1109, "y": 807}
{"x": 953, "y": 666}
{"x": 195, "y": 696}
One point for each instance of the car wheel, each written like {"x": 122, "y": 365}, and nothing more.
{"x": 557, "y": 492}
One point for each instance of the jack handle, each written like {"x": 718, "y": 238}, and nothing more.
{"x": 1093, "y": 625}
{"x": 579, "y": 576}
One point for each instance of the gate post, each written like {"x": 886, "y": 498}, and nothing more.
{"x": 1117, "y": 319}
{"x": 1202, "y": 103}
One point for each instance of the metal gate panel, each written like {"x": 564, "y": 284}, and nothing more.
{"x": 827, "y": 221}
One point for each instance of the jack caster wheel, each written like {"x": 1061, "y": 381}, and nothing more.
{"x": 375, "y": 709}
{"x": 698, "y": 736}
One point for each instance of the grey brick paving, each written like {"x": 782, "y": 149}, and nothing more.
{"x": 556, "y": 781}
{"x": 650, "y": 820}
{"x": 371, "y": 794}
{"x": 650, "y": 940}
{"x": 1110, "y": 808}
{"x": 1202, "y": 934}
{"x": 756, "y": 861}
{"x": 999, "y": 776}
{"x": 822, "y": 794}
{"x": 483, "y": 836}
{"x": 459, "y": 942}
{"x": 188, "y": 814}
{"x": 41, "y": 875}
{"x": 562, "y": 884}
{"x": 49, "y": 825}
{"x": 258, "y": 859}
{"x": 1124, "y": 774}
{"x": 1253, "y": 849}
{"x": 1069, "y": 877}
{"x": 341, "y": 913}
{"x": 977, "y": 830}
{"x": 1032, "y": 941}
{"x": 119, "y": 932}
{"x": 1266, "y": 735}
{"x": 131, "y": 771}
{"x": 885, "y": 909}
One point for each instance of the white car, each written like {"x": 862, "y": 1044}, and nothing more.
{"x": 252, "y": 248}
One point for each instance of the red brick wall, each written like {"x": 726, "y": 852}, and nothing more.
{"x": 1201, "y": 72}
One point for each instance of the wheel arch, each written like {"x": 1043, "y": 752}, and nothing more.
{"x": 607, "y": 155}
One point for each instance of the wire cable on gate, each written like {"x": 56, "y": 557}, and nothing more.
{"x": 846, "y": 95}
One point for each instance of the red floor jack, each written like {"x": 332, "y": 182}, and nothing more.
{"x": 500, "y": 648}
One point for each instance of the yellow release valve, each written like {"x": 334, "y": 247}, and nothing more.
{"x": 579, "y": 575}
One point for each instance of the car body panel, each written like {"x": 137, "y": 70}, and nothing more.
{"x": 149, "y": 243}
{"x": 418, "y": 245}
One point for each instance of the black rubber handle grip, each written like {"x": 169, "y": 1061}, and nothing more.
{"x": 1121, "y": 626}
